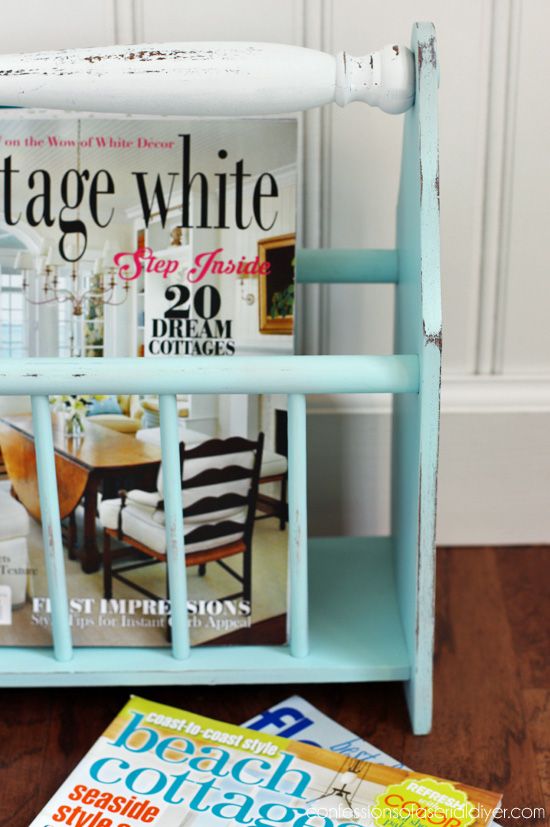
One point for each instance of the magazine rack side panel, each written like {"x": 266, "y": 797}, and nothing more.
{"x": 416, "y": 420}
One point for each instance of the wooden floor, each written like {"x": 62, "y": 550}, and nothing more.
{"x": 492, "y": 697}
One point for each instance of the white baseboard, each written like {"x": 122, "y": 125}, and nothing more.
{"x": 494, "y": 479}
{"x": 495, "y": 394}
{"x": 459, "y": 394}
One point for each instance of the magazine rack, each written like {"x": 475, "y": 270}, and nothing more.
{"x": 375, "y": 621}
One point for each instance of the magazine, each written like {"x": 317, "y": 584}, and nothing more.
{"x": 297, "y": 718}
{"x": 164, "y": 766}
{"x": 152, "y": 237}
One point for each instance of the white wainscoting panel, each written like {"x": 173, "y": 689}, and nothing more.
{"x": 494, "y": 467}
{"x": 523, "y": 344}
{"x": 365, "y": 155}
{"x": 166, "y": 20}
{"x": 34, "y": 25}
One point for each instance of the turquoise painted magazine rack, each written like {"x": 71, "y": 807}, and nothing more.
{"x": 375, "y": 622}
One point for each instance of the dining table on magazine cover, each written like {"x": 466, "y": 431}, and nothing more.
{"x": 100, "y": 460}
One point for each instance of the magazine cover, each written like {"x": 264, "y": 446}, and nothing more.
{"x": 163, "y": 766}
{"x": 298, "y": 719}
{"x": 127, "y": 237}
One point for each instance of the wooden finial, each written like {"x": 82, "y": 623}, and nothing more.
{"x": 384, "y": 79}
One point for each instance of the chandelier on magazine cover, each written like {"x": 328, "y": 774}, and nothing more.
{"x": 99, "y": 288}
{"x": 43, "y": 282}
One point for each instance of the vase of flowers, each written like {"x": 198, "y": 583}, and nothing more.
{"x": 73, "y": 408}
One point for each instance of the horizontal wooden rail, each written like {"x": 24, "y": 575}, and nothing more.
{"x": 206, "y": 79}
{"x": 346, "y": 266}
{"x": 211, "y": 374}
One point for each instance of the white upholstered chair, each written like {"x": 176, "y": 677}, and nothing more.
{"x": 274, "y": 470}
{"x": 219, "y": 495}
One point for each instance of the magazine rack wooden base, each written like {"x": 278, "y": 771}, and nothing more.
{"x": 362, "y": 598}
{"x": 374, "y": 621}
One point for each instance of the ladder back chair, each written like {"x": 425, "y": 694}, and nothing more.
{"x": 219, "y": 493}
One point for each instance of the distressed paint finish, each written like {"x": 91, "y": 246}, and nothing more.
{"x": 416, "y": 421}
{"x": 213, "y": 374}
{"x": 374, "y": 621}
{"x": 51, "y": 528}
{"x": 206, "y": 79}
{"x": 173, "y": 515}
{"x": 297, "y": 526}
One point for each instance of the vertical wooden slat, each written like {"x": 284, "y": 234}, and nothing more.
{"x": 51, "y": 528}
{"x": 173, "y": 511}
{"x": 297, "y": 523}
{"x": 416, "y": 416}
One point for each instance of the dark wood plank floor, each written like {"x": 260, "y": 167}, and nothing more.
{"x": 492, "y": 696}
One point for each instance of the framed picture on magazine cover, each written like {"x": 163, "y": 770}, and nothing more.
{"x": 276, "y": 288}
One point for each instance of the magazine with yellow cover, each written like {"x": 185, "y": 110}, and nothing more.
{"x": 159, "y": 765}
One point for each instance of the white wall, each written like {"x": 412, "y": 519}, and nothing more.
{"x": 495, "y": 114}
